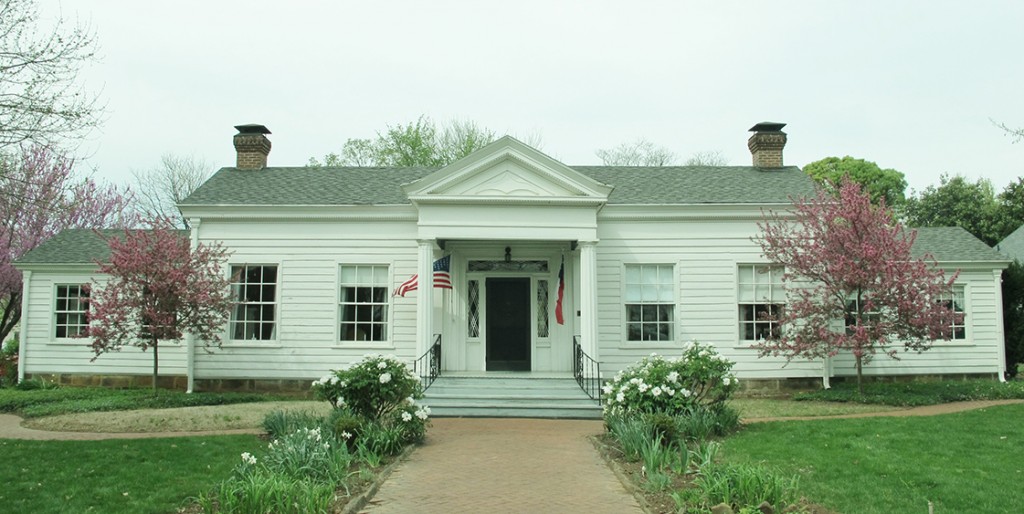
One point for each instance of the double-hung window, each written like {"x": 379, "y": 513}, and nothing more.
{"x": 363, "y": 303}
{"x": 954, "y": 300}
{"x": 254, "y": 289}
{"x": 650, "y": 302}
{"x": 761, "y": 300}
{"x": 869, "y": 314}
{"x": 71, "y": 312}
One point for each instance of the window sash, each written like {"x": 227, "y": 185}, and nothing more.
{"x": 254, "y": 290}
{"x": 363, "y": 303}
{"x": 71, "y": 311}
{"x": 955, "y": 300}
{"x": 649, "y": 299}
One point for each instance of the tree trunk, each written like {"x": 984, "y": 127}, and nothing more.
{"x": 860, "y": 375}
{"x": 156, "y": 364}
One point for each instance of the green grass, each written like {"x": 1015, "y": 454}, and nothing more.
{"x": 67, "y": 400}
{"x": 964, "y": 462}
{"x": 909, "y": 394}
{"x": 138, "y": 475}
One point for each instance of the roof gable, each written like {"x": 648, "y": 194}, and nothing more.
{"x": 1013, "y": 244}
{"x": 503, "y": 170}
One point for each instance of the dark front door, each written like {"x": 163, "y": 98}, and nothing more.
{"x": 508, "y": 324}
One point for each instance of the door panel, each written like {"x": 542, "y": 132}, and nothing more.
{"x": 508, "y": 324}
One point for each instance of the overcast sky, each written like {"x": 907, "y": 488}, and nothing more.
{"x": 911, "y": 85}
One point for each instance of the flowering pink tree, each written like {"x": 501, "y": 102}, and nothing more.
{"x": 159, "y": 288}
{"x": 846, "y": 259}
{"x": 39, "y": 197}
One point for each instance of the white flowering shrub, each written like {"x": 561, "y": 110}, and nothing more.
{"x": 699, "y": 378}
{"x": 375, "y": 404}
{"x": 373, "y": 387}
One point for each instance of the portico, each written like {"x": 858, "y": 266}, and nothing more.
{"x": 510, "y": 217}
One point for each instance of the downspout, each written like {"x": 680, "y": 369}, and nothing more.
{"x": 826, "y": 372}
{"x": 190, "y": 339}
{"x": 1000, "y": 333}
{"x": 26, "y": 277}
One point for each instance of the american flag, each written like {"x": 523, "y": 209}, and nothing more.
{"x": 442, "y": 277}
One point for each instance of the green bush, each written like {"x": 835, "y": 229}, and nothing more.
{"x": 375, "y": 404}
{"x": 372, "y": 387}
{"x": 700, "y": 377}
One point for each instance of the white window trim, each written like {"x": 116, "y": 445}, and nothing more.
{"x": 736, "y": 282}
{"x": 677, "y": 341}
{"x": 51, "y": 337}
{"x": 227, "y": 340}
{"x": 387, "y": 344}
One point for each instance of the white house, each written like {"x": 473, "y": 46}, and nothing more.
{"x": 654, "y": 257}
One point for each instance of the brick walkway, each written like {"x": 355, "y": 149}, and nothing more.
{"x": 505, "y": 465}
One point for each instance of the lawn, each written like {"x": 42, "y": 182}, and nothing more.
{"x": 141, "y": 475}
{"x": 69, "y": 400}
{"x": 964, "y": 462}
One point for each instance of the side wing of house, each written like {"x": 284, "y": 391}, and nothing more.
{"x": 58, "y": 276}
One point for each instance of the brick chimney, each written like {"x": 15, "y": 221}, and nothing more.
{"x": 252, "y": 146}
{"x": 766, "y": 144}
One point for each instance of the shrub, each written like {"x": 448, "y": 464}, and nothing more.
{"x": 372, "y": 387}
{"x": 698, "y": 378}
{"x": 375, "y": 404}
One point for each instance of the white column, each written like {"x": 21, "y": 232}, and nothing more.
{"x": 425, "y": 297}
{"x": 26, "y": 278}
{"x": 588, "y": 298}
{"x": 190, "y": 338}
{"x": 997, "y": 275}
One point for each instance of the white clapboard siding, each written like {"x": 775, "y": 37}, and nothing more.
{"x": 308, "y": 255}
{"x": 706, "y": 255}
{"x": 44, "y": 354}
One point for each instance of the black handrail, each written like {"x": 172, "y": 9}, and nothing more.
{"x": 586, "y": 370}
{"x": 428, "y": 366}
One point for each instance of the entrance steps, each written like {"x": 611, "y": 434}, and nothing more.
{"x": 509, "y": 395}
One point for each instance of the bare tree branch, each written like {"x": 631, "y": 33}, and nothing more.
{"x": 40, "y": 99}
{"x": 159, "y": 190}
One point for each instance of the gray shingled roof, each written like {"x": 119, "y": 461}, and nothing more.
{"x": 954, "y": 244}
{"x": 1013, "y": 244}
{"x": 382, "y": 186}
{"x": 74, "y": 246}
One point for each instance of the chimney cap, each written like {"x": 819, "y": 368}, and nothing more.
{"x": 252, "y": 128}
{"x": 767, "y": 126}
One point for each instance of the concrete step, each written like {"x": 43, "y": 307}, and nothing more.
{"x": 510, "y": 396}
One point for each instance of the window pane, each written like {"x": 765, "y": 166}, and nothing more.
{"x": 632, "y": 274}
{"x": 348, "y": 274}
{"x": 633, "y": 312}
{"x": 648, "y": 275}
{"x": 665, "y": 294}
{"x": 542, "y": 308}
{"x": 632, "y": 293}
{"x": 473, "y": 330}
{"x": 649, "y": 294}
{"x": 665, "y": 275}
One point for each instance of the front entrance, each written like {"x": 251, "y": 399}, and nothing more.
{"x": 508, "y": 324}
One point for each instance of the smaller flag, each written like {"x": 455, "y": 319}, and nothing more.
{"x": 561, "y": 291}
{"x": 442, "y": 277}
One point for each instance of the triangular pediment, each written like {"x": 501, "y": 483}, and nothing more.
{"x": 507, "y": 170}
